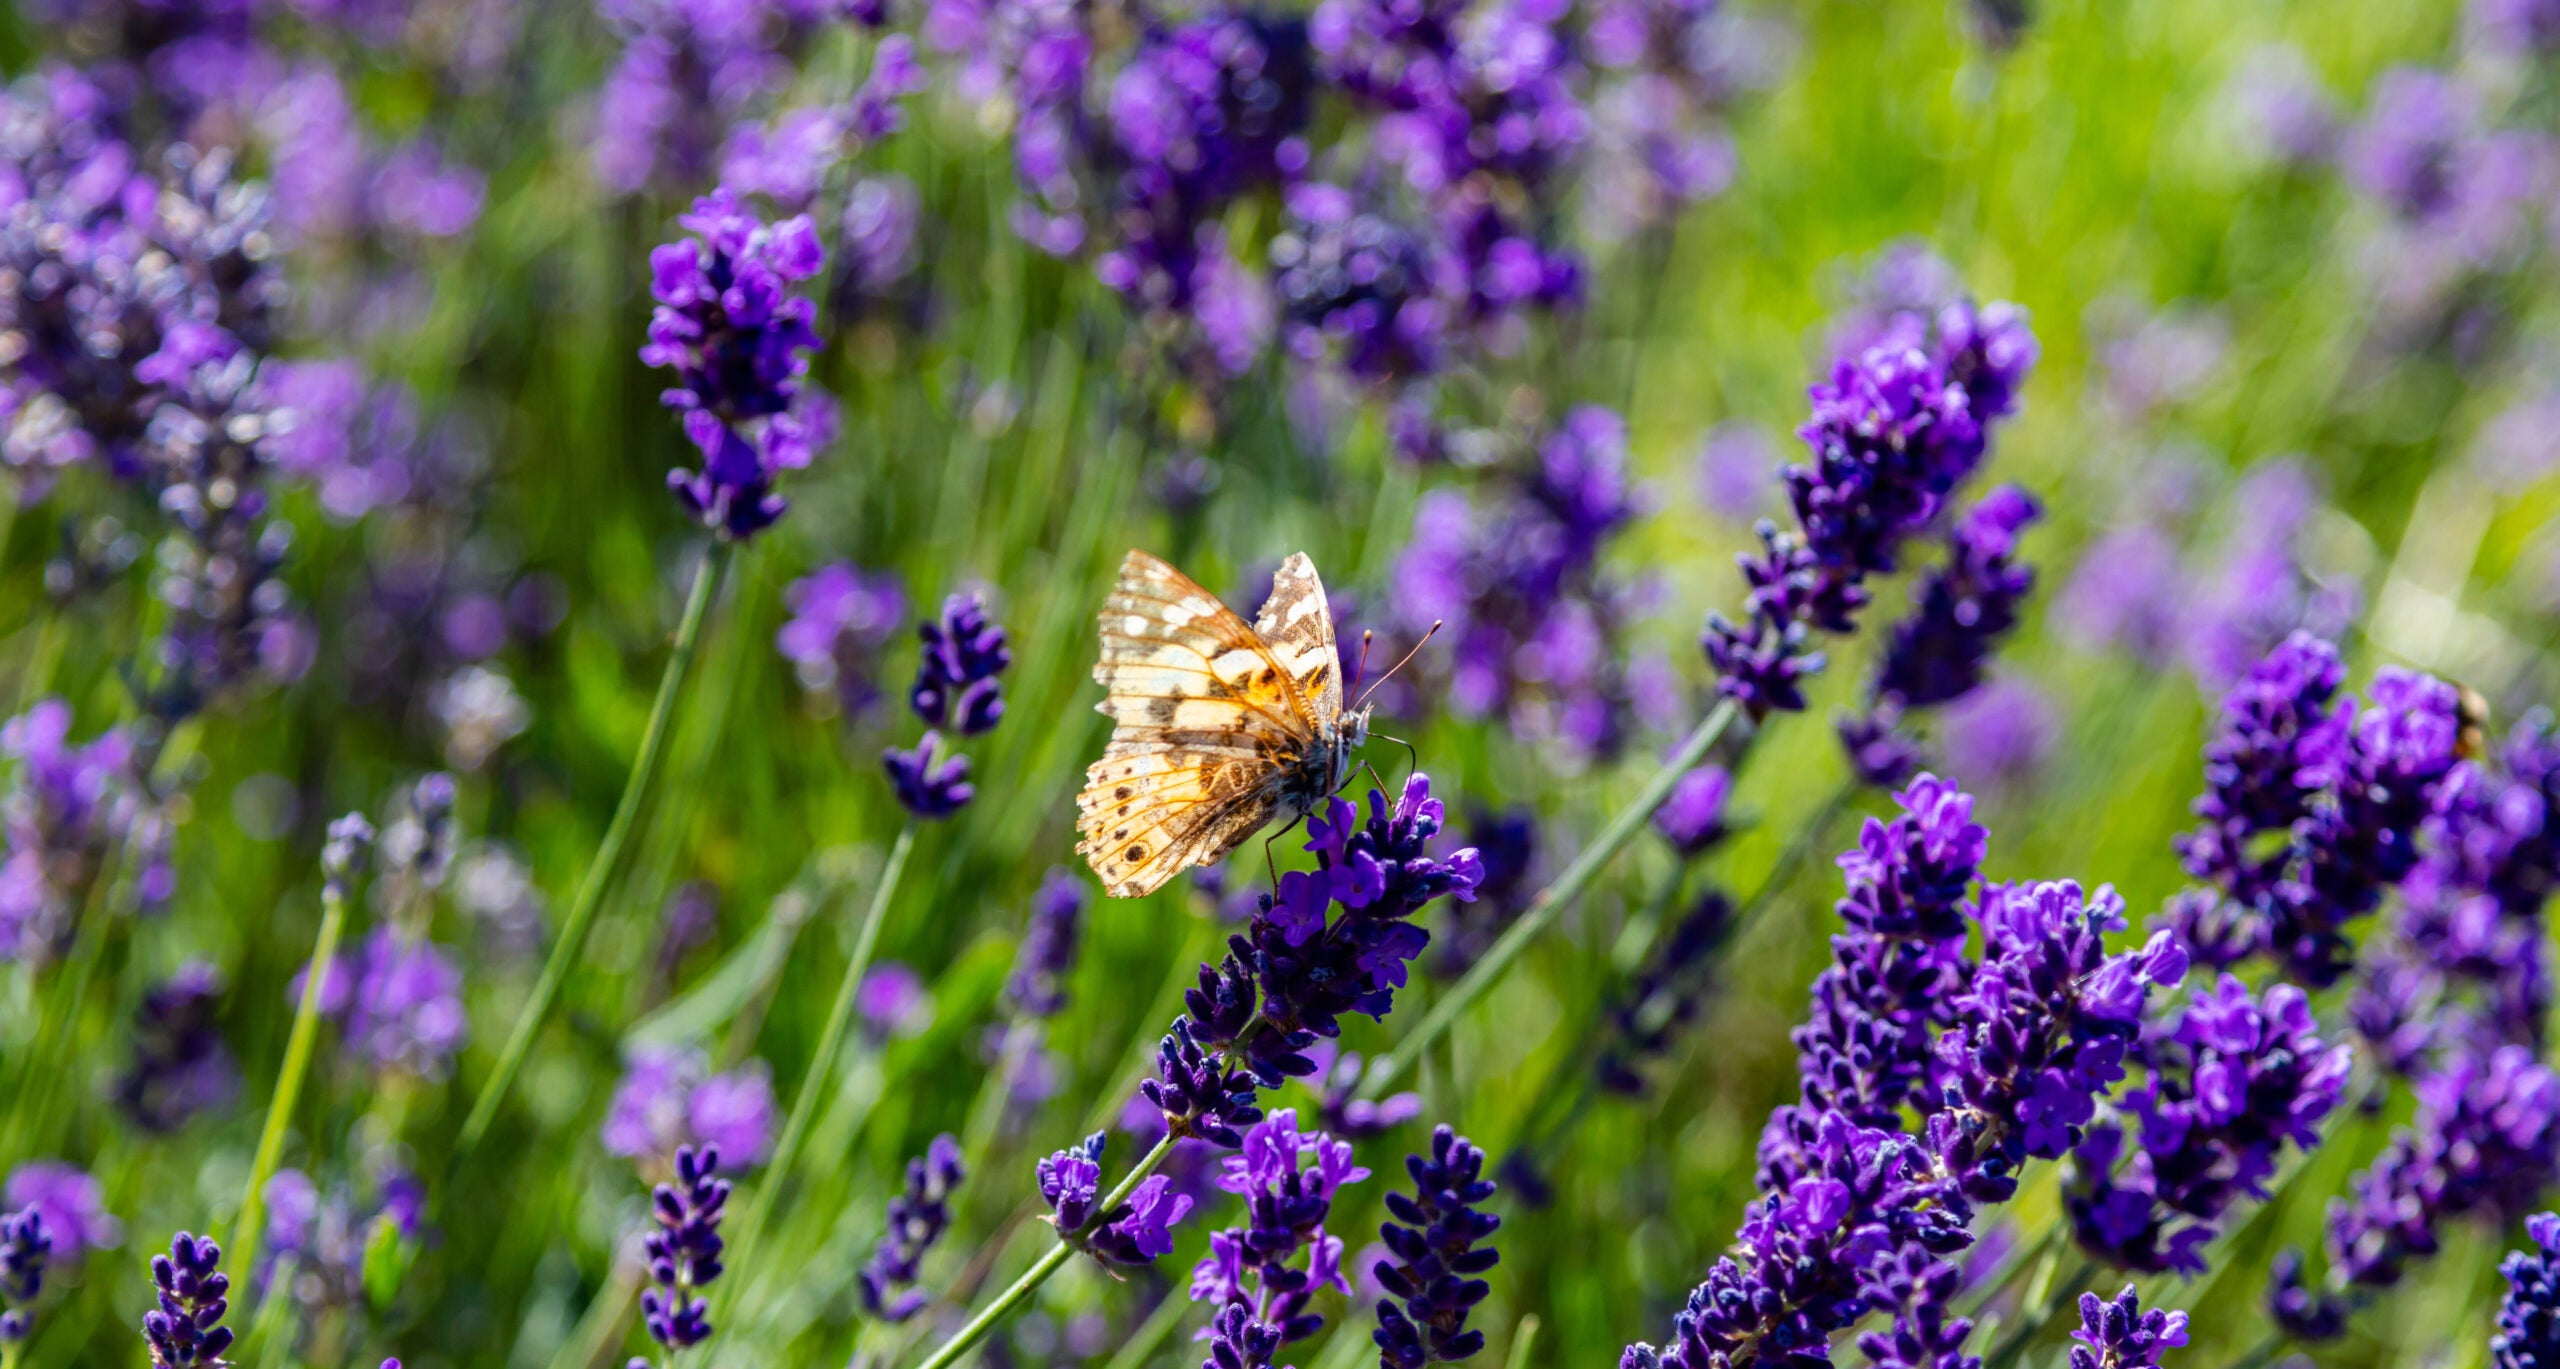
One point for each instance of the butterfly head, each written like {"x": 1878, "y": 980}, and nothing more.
{"x": 1350, "y": 733}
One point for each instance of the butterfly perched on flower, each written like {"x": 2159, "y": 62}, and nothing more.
{"x": 1219, "y": 727}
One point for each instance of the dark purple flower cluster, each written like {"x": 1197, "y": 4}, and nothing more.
{"x": 1273, "y": 1266}
{"x": 684, "y": 1250}
{"x": 1437, "y": 1239}
{"x": 2231, "y": 1081}
{"x": 186, "y": 1330}
{"x": 2004, "y": 1059}
{"x": 1959, "y": 612}
{"x": 2350, "y": 791}
{"x": 181, "y": 1066}
{"x": 1289, "y": 977}
{"x": 1359, "y": 286}
{"x": 738, "y": 340}
{"x": 956, "y": 686}
{"x": 1895, "y": 430}
{"x": 2118, "y": 1334}
{"x": 842, "y": 619}
{"x": 2528, "y": 1335}
{"x": 1533, "y": 619}
{"x": 25, "y": 1249}
{"x": 916, "y": 1221}
{"x": 1136, "y": 1232}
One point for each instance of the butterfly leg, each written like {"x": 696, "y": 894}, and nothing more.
{"x": 1412, "y": 758}
{"x": 1271, "y": 867}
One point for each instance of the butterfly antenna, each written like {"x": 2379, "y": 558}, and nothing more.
{"x": 1391, "y": 672}
{"x": 1360, "y": 671}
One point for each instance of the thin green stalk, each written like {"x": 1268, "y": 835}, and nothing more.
{"x": 1151, "y": 1333}
{"x": 2045, "y": 1298}
{"x": 1550, "y": 902}
{"x": 1524, "y": 1338}
{"x": 608, "y": 856}
{"x": 804, "y": 1106}
{"x": 298, "y": 1047}
{"x": 1049, "y": 1262}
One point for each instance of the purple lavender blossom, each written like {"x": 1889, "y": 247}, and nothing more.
{"x": 2528, "y": 1335}
{"x": 1692, "y": 819}
{"x": 399, "y": 1001}
{"x": 72, "y": 1204}
{"x": 1999, "y": 733}
{"x": 1894, "y": 431}
{"x": 737, "y": 339}
{"x": 842, "y": 620}
{"x": 2284, "y": 109}
{"x": 893, "y": 1001}
{"x": 930, "y": 781}
{"x": 1960, "y": 611}
{"x": 1291, "y": 975}
{"x": 69, "y": 805}
{"x": 916, "y": 1221}
{"x": 956, "y": 679}
{"x": 684, "y": 1250}
{"x": 670, "y": 1098}
{"x": 1531, "y": 617}
{"x": 1288, "y": 1180}
{"x": 1037, "y": 987}
{"x": 1735, "y": 464}
{"x": 186, "y": 1330}
{"x": 181, "y": 1066}
{"x": 1339, "y": 1105}
{"x": 1432, "y": 1280}
{"x": 320, "y": 1238}
{"x": 687, "y": 71}
{"x": 2232, "y": 1081}
{"x": 1359, "y": 286}
{"x": 2118, "y": 1334}
{"x": 25, "y": 1249}
{"x": 2486, "y": 1139}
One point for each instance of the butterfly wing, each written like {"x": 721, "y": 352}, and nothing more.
{"x": 1207, "y": 722}
{"x": 1296, "y": 624}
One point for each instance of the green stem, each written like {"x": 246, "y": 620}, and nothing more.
{"x": 608, "y": 856}
{"x": 1048, "y": 1263}
{"x": 298, "y": 1047}
{"x": 2044, "y": 1299}
{"x": 1550, "y": 902}
{"x": 1151, "y": 1333}
{"x": 804, "y": 1105}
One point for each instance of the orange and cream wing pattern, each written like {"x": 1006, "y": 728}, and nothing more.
{"x": 1208, "y": 720}
{"x": 1296, "y": 625}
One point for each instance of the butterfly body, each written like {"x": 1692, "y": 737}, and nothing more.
{"x": 1220, "y": 726}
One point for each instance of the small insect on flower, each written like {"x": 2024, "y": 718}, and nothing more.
{"x": 1220, "y": 727}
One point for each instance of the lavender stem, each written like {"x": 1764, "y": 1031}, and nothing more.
{"x": 298, "y": 1047}
{"x": 1550, "y": 901}
{"x": 626, "y": 813}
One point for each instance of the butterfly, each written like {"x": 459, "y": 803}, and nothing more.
{"x": 1218, "y": 727}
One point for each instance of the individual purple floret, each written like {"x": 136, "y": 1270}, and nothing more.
{"x": 2528, "y": 1334}
{"x": 842, "y": 619}
{"x": 916, "y": 1221}
{"x": 1071, "y": 1183}
{"x": 2232, "y": 1080}
{"x": 1297, "y": 968}
{"x": 964, "y": 652}
{"x": 1895, "y": 429}
{"x": 2118, "y": 1334}
{"x": 24, "y": 1251}
{"x": 186, "y": 1330}
{"x": 684, "y": 1250}
{"x": 1048, "y": 955}
{"x": 1432, "y": 1282}
{"x": 738, "y": 340}
{"x": 930, "y": 781}
{"x": 181, "y": 1066}
{"x": 1288, "y": 1180}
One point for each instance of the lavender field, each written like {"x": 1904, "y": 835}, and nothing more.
{"x": 920, "y": 684}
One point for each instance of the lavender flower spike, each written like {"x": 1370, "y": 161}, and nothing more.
{"x": 738, "y": 341}
{"x": 24, "y": 1250}
{"x": 684, "y": 1252}
{"x": 1431, "y": 1280}
{"x": 916, "y": 1222}
{"x": 964, "y": 652}
{"x": 2118, "y": 1334}
{"x": 2528, "y": 1334}
{"x": 186, "y": 1330}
